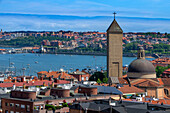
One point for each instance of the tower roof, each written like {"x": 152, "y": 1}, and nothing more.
{"x": 114, "y": 28}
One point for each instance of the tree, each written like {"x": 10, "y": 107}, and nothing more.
{"x": 160, "y": 70}
{"x": 99, "y": 77}
{"x": 99, "y": 81}
{"x": 105, "y": 80}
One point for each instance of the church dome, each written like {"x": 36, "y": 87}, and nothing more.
{"x": 141, "y": 68}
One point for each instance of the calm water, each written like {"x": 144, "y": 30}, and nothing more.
{"x": 34, "y": 63}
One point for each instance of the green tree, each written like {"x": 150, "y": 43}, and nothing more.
{"x": 160, "y": 70}
{"x": 99, "y": 76}
{"x": 99, "y": 81}
{"x": 105, "y": 80}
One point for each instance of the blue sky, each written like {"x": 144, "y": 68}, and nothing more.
{"x": 84, "y": 15}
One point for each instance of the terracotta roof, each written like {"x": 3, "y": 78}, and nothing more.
{"x": 42, "y": 72}
{"x": 35, "y": 83}
{"x": 122, "y": 81}
{"x": 167, "y": 71}
{"x": 148, "y": 84}
{"x": 132, "y": 89}
{"x": 166, "y": 81}
{"x": 164, "y": 101}
{"x": 56, "y": 74}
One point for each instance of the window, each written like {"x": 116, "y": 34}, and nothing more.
{"x": 22, "y": 106}
{"x": 38, "y": 107}
{"x": 82, "y": 78}
{"x": 16, "y": 105}
{"x": 41, "y": 107}
{"x": 16, "y": 112}
{"x": 11, "y": 111}
{"x": 6, "y": 111}
{"x": 87, "y": 78}
{"x": 6, "y": 104}
{"x": 28, "y": 107}
{"x": 11, "y": 104}
{"x": 166, "y": 92}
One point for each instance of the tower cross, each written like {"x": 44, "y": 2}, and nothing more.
{"x": 114, "y": 14}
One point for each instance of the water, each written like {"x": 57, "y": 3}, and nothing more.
{"x": 34, "y": 63}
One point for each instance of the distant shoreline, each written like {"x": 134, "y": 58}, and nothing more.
{"x": 85, "y": 53}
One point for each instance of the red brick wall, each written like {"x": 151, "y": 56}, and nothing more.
{"x": 47, "y": 93}
{"x": 14, "y": 108}
{"x": 88, "y": 91}
{"x": 60, "y": 92}
{"x": 23, "y": 94}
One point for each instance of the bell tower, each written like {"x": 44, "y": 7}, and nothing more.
{"x": 141, "y": 53}
{"x": 114, "y": 49}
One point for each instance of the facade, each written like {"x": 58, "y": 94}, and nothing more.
{"x": 80, "y": 75}
{"x": 30, "y": 102}
{"x": 114, "y": 50}
{"x": 17, "y": 106}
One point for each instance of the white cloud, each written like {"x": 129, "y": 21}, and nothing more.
{"x": 54, "y": 23}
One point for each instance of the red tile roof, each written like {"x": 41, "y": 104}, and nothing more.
{"x": 33, "y": 83}
{"x": 132, "y": 89}
{"x": 148, "y": 83}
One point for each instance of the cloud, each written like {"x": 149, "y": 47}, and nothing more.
{"x": 13, "y": 22}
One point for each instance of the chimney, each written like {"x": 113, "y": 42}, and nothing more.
{"x": 24, "y": 86}
{"x": 14, "y": 86}
{"x": 41, "y": 78}
{"x": 14, "y": 80}
{"x": 52, "y": 85}
{"x": 43, "y": 83}
{"x": 56, "y": 81}
{"x": 23, "y": 79}
{"x": 50, "y": 78}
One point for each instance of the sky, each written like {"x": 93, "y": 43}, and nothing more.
{"x": 84, "y": 15}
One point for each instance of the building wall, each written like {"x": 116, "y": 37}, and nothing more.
{"x": 151, "y": 92}
{"x": 60, "y": 92}
{"x": 79, "y": 77}
{"x": 114, "y": 57}
{"x": 168, "y": 88}
{"x": 141, "y": 75}
{"x": 14, "y": 108}
{"x": 47, "y": 93}
{"x": 76, "y": 111}
{"x": 160, "y": 93}
{"x": 88, "y": 91}
{"x": 23, "y": 94}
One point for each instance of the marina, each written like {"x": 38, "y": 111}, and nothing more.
{"x": 30, "y": 63}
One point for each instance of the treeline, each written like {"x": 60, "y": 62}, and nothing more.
{"x": 157, "y": 48}
{"x": 157, "y": 35}
{"x": 29, "y": 41}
